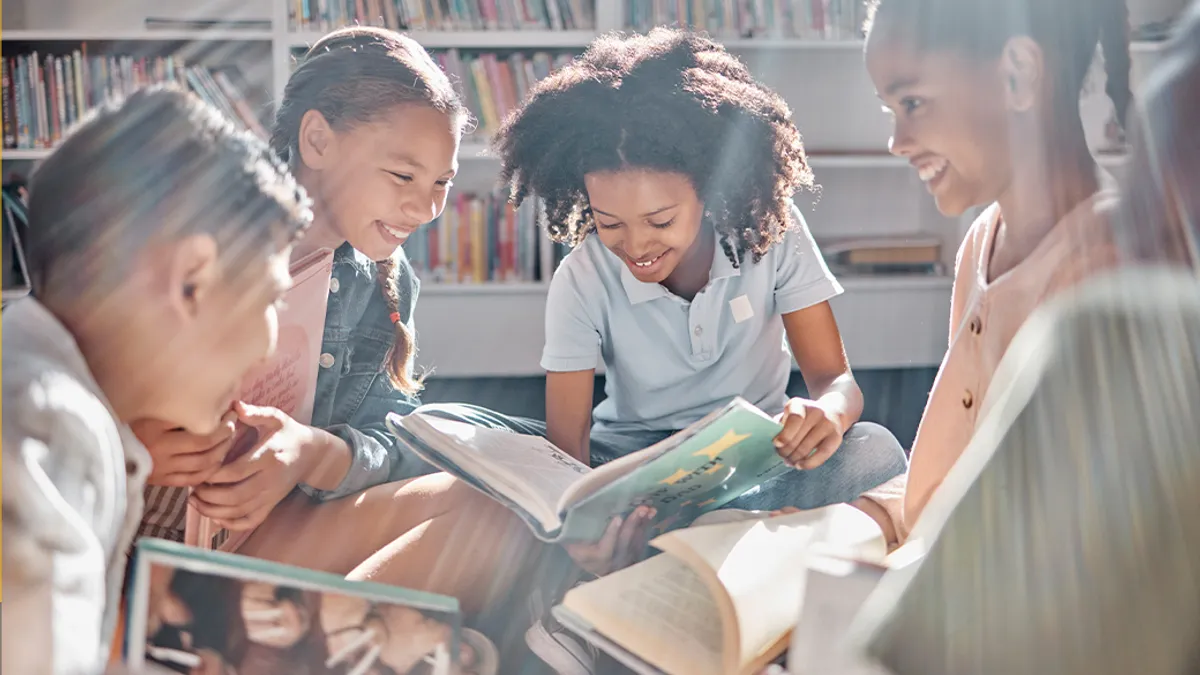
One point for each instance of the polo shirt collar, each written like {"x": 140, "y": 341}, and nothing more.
{"x": 640, "y": 291}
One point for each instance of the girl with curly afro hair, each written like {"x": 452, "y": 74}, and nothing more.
{"x": 671, "y": 172}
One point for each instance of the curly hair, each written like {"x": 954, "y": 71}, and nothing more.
{"x": 671, "y": 101}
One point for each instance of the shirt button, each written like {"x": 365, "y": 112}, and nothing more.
{"x": 697, "y": 331}
{"x": 968, "y": 400}
{"x": 334, "y": 285}
{"x": 130, "y": 468}
{"x": 326, "y": 360}
{"x": 976, "y": 326}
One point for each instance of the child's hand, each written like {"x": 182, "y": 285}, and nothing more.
{"x": 810, "y": 434}
{"x": 181, "y": 458}
{"x": 241, "y": 494}
{"x": 623, "y": 544}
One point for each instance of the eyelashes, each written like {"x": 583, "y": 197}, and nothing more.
{"x": 657, "y": 226}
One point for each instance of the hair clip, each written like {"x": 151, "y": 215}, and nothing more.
{"x": 395, "y": 317}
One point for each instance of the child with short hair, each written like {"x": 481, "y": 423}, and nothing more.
{"x": 158, "y": 249}
{"x": 985, "y": 97}
{"x": 671, "y": 171}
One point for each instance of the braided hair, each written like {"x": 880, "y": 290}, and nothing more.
{"x": 351, "y": 76}
{"x": 1067, "y": 31}
{"x": 671, "y": 101}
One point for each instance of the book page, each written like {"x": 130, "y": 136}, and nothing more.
{"x": 762, "y": 565}
{"x": 660, "y": 610}
{"x": 529, "y": 470}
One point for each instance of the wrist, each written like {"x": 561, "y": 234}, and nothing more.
{"x": 326, "y": 459}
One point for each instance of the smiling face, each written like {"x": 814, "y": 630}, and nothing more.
{"x": 950, "y": 117}
{"x": 377, "y": 182}
{"x": 650, "y": 219}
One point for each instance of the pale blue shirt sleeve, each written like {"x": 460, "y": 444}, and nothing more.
{"x": 572, "y": 338}
{"x": 802, "y": 279}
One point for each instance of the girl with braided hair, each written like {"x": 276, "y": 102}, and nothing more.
{"x": 985, "y": 97}
{"x": 370, "y": 127}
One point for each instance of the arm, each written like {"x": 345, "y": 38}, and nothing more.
{"x": 813, "y": 336}
{"x": 360, "y": 452}
{"x": 569, "y": 411}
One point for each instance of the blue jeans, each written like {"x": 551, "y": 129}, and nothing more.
{"x": 868, "y": 457}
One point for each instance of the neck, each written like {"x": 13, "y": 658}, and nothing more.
{"x": 692, "y": 273}
{"x": 322, "y": 233}
{"x": 1048, "y": 181}
{"x": 98, "y": 333}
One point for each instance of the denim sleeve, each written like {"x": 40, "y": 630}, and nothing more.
{"x": 377, "y": 457}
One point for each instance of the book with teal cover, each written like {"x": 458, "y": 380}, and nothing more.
{"x": 701, "y": 468}
{"x": 196, "y": 610}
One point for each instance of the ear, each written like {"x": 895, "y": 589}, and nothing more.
{"x": 317, "y": 140}
{"x": 193, "y": 274}
{"x": 1022, "y": 69}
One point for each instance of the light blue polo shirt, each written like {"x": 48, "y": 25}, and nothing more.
{"x": 668, "y": 361}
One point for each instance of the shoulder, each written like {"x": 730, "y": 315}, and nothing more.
{"x": 1091, "y": 240}
{"x": 588, "y": 267}
{"x": 973, "y": 245}
{"x": 44, "y": 400}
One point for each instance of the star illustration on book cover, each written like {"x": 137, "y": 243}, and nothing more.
{"x": 730, "y": 439}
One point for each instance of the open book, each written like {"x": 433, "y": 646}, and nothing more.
{"x": 287, "y": 380}
{"x": 722, "y": 599}
{"x": 694, "y": 471}
{"x": 192, "y": 611}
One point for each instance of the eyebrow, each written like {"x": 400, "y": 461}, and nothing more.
{"x": 897, "y": 85}
{"x": 406, "y": 159}
{"x": 655, "y": 212}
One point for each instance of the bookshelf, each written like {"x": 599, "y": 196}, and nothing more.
{"x": 497, "y": 328}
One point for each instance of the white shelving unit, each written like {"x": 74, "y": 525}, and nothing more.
{"x": 497, "y": 329}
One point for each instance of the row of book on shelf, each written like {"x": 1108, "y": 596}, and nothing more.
{"x": 322, "y": 15}
{"x": 494, "y": 85}
{"x": 808, "y": 19}
{"x": 45, "y": 94}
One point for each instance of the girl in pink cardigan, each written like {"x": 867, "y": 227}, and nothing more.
{"x": 985, "y": 97}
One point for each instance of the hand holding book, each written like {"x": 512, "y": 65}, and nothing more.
{"x": 623, "y": 544}
{"x": 811, "y": 434}
{"x": 181, "y": 458}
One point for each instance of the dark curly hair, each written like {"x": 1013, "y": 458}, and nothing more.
{"x": 672, "y": 101}
{"x": 1067, "y": 30}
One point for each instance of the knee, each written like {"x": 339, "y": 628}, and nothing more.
{"x": 875, "y": 450}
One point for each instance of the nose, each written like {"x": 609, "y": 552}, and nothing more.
{"x": 421, "y": 207}
{"x": 901, "y": 143}
{"x": 639, "y": 242}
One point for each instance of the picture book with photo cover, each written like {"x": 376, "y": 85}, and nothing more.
{"x": 721, "y": 599}
{"x": 197, "y": 611}
{"x": 287, "y": 380}
{"x": 697, "y": 470}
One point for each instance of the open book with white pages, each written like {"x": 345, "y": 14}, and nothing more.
{"x": 723, "y": 599}
{"x": 695, "y": 471}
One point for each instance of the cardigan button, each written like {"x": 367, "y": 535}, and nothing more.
{"x": 327, "y": 360}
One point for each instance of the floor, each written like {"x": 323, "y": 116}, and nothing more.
{"x": 894, "y": 398}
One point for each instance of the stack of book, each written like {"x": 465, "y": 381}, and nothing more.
{"x": 44, "y": 95}
{"x": 324, "y": 15}
{"x": 478, "y": 239}
{"x": 495, "y": 84}
{"x": 884, "y": 256}
{"x": 727, "y": 19}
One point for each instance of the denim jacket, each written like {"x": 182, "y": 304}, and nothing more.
{"x": 354, "y": 393}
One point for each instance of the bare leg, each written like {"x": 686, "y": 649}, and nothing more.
{"x": 432, "y": 533}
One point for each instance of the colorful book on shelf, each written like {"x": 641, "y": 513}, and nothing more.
{"x": 697, "y": 470}
{"x": 722, "y": 599}
{"x": 422, "y": 15}
{"x": 190, "y": 610}
{"x": 287, "y": 380}
{"x": 494, "y": 85}
{"x": 47, "y": 94}
{"x": 478, "y": 239}
{"x": 728, "y": 19}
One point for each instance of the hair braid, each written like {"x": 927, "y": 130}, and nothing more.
{"x": 398, "y": 362}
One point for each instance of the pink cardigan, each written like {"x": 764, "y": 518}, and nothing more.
{"x": 984, "y": 317}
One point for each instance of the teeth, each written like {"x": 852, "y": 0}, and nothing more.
{"x": 928, "y": 172}
{"x": 648, "y": 262}
{"x": 399, "y": 234}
